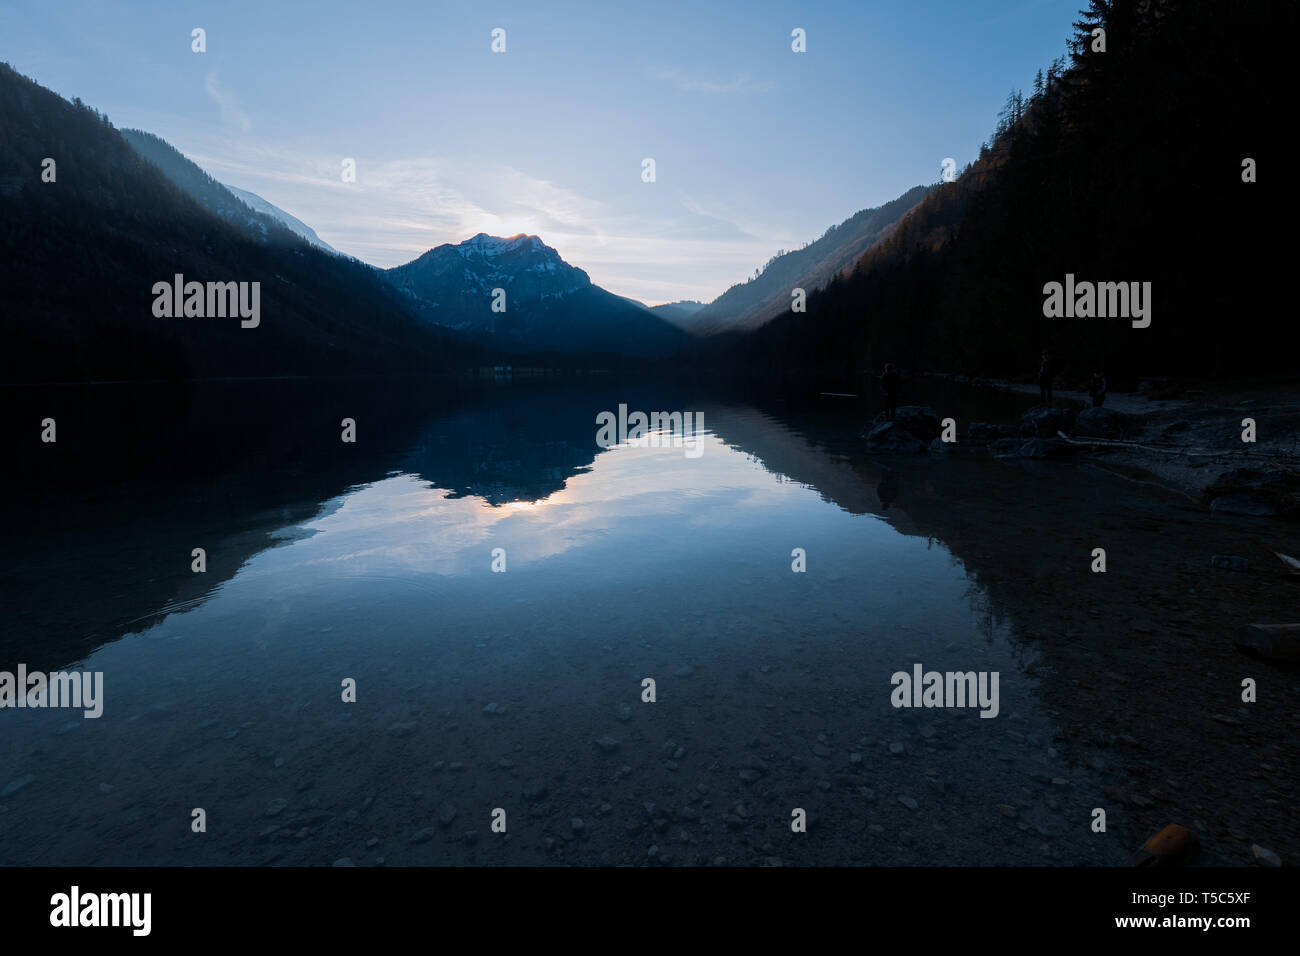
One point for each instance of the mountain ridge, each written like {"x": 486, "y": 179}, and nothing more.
{"x": 286, "y": 219}
{"x": 749, "y": 305}
{"x": 80, "y": 255}
{"x": 542, "y": 302}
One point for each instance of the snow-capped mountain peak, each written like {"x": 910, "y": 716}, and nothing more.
{"x": 485, "y": 245}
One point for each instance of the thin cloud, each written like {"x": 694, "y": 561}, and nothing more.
{"x": 231, "y": 114}
{"x": 688, "y": 83}
{"x": 398, "y": 209}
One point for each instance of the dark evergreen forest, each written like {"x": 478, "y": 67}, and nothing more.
{"x": 1123, "y": 165}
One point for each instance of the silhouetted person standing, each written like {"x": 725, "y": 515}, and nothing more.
{"x": 890, "y": 386}
{"x": 1046, "y": 372}
{"x": 1097, "y": 389}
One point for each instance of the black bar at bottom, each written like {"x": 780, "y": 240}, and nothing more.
{"x": 334, "y": 904}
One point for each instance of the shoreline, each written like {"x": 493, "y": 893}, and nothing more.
{"x": 1139, "y": 666}
{"x": 1188, "y": 443}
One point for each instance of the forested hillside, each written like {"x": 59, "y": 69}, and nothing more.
{"x": 1124, "y": 165}
{"x": 79, "y": 256}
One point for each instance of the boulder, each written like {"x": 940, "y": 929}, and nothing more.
{"x": 923, "y": 423}
{"x": 1102, "y": 423}
{"x": 1046, "y": 422}
{"x": 1248, "y": 479}
{"x": 1254, "y": 491}
{"x": 893, "y": 438}
{"x": 1276, "y": 642}
{"x": 940, "y": 447}
{"x": 1173, "y": 846}
{"x": 1264, "y": 856}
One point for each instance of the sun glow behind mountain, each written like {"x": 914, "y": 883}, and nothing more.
{"x": 549, "y": 138}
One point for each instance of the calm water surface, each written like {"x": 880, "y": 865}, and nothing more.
{"x": 223, "y": 690}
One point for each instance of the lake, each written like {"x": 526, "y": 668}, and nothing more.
{"x": 499, "y": 588}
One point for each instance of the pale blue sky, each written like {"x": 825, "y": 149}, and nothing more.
{"x": 757, "y": 148}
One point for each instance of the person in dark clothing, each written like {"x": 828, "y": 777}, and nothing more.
{"x": 890, "y": 385}
{"x": 1097, "y": 389}
{"x": 1046, "y": 372}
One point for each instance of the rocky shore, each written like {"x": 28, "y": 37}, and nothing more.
{"x": 1234, "y": 451}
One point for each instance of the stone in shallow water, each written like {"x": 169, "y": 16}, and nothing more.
{"x": 1229, "y": 562}
{"x": 756, "y": 763}
{"x": 893, "y": 438}
{"x": 1243, "y": 505}
{"x": 1265, "y": 856}
{"x": 534, "y": 790}
{"x": 16, "y": 785}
